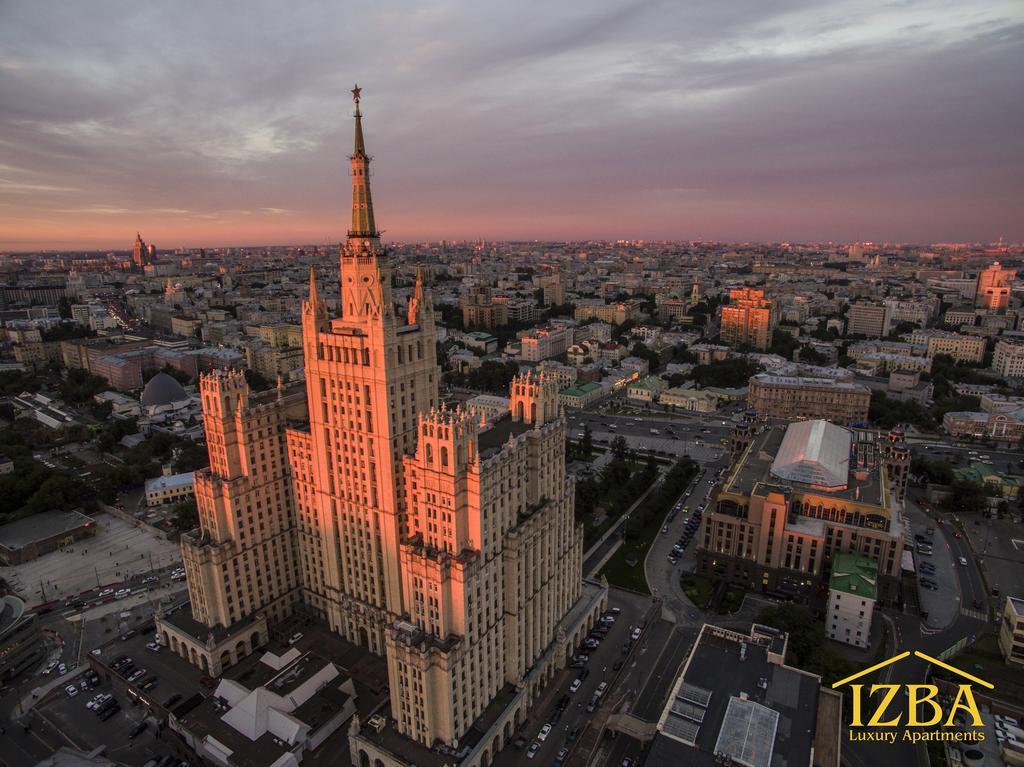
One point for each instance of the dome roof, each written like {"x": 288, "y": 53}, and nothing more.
{"x": 162, "y": 390}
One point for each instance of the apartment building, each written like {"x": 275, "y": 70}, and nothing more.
{"x": 447, "y": 545}
{"x": 797, "y": 398}
{"x": 544, "y": 343}
{"x": 797, "y": 496}
{"x": 961, "y": 348}
{"x": 1008, "y": 359}
{"x": 868, "y": 320}
{"x": 852, "y": 590}
{"x": 994, "y": 284}
{"x": 1011, "y": 632}
{"x": 749, "y": 319}
{"x": 613, "y": 314}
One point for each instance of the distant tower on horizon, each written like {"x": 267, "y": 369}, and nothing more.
{"x": 141, "y": 253}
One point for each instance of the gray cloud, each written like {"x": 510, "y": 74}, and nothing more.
{"x": 599, "y": 119}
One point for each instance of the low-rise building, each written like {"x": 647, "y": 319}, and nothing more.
{"x": 852, "y": 590}
{"x": 646, "y": 389}
{"x": 491, "y": 407}
{"x": 797, "y": 398}
{"x": 170, "y": 488}
{"x": 287, "y": 707}
{"x": 684, "y": 398}
{"x": 737, "y": 702}
{"x": 962, "y": 348}
{"x": 1000, "y": 427}
{"x": 582, "y": 395}
{"x": 31, "y": 537}
{"x": 1011, "y": 632}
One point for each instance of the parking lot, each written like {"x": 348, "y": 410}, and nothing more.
{"x": 117, "y": 551}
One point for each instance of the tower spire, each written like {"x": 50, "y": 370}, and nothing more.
{"x": 363, "y": 233}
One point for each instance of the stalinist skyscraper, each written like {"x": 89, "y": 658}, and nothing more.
{"x": 441, "y": 540}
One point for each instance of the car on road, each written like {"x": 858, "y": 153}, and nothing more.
{"x": 575, "y": 685}
{"x": 62, "y": 669}
{"x": 591, "y": 644}
{"x": 962, "y": 561}
{"x": 532, "y": 750}
{"x": 636, "y": 634}
{"x": 122, "y": 593}
{"x": 562, "y": 753}
{"x": 105, "y": 593}
{"x": 295, "y": 637}
{"x": 153, "y": 646}
{"x": 150, "y": 579}
{"x": 664, "y": 529}
{"x": 109, "y": 712}
{"x": 544, "y": 731}
{"x": 137, "y": 674}
{"x": 600, "y": 689}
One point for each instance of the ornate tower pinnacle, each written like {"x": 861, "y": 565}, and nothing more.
{"x": 363, "y": 234}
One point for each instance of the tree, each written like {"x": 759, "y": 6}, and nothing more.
{"x": 644, "y": 352}
{"x": 966, "y": 496}
{"x": 783, "y": 344}
{"x": 620, "y": 448}
{"x": 185, "y": 516}
{"x": 587, "y": 442}
{"x": 734, "y": 372}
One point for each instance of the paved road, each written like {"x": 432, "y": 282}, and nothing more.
{"x": 662, "y": 576}
{"x": 600, "y": 668}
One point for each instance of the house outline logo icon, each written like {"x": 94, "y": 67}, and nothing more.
{"x": 880, "y": 713}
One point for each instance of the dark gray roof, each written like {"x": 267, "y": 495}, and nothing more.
{"x": 162, "y": 390}
{"x": 39, "y": 527}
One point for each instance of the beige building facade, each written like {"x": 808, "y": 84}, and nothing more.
{"x": 440, "y": 539}
{"x": 794, "y": 398}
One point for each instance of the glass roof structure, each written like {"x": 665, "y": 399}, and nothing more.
{"x": 814, "y": 453}
{"x": 747, "y": 735}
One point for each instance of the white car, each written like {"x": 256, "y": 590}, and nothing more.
{"x": 121, "y": 593}
{"x": 62, "y": 669}
{"x": 532, "y": 750}
{"x": 71, "y": 690}
{"x": 295, "y": 637}
{"x": 601, "y": 688}
{"x": 575, "y": 685}
{"x": 636, "y": 634}
{"x": 962, "y": 561}
{"x": 105, "y": 593}
{"x": 543, "y": 734}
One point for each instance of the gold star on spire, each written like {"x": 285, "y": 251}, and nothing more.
{"x": 355, "y": 93}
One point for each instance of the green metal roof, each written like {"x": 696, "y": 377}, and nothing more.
{"x": 854, "y": 574}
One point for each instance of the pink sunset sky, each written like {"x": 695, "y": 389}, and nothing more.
{"x": 230, "y": 123}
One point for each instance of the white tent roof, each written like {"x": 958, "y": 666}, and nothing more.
{"x": 815, "y": 453}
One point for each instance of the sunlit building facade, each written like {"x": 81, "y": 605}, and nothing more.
{"x": 444, "y": 540}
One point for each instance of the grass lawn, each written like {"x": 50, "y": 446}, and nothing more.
{"x": 731, "y": 602}
{"x": 698, "y": 589}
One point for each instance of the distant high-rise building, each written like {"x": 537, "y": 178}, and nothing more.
{"x": 139, "y": 253}
{"x": 749, "y": 319}
{"x": 994, "y": 287}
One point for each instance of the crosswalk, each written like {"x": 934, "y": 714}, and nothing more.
{"x": 976, "y": 614}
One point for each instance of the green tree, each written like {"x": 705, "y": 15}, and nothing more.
{"x": 587, "y": 442}
{"x": 619, "y": 448}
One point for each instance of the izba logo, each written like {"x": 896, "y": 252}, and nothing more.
{"x": 880, "y": 710}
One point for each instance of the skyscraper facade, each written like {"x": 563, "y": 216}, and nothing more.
{"x": 436, "y": 537}
{"x": 749, "y": 319}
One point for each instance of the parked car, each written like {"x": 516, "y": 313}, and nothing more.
{"x": 636, "y": 634}
{"x": 532, "y": 750}
{"x": 962, "y": 561}
{"x": 109, "y": 712}
{"x": 543, "y": 734}
{"x": 295, "y": 637}
{"x": 105, "y": 593}
{"x": 575, "y": 685}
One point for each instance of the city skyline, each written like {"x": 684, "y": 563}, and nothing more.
{"x": 889, "y": 123}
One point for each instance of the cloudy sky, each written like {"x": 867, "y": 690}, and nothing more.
{"x": 230, "y": 122}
